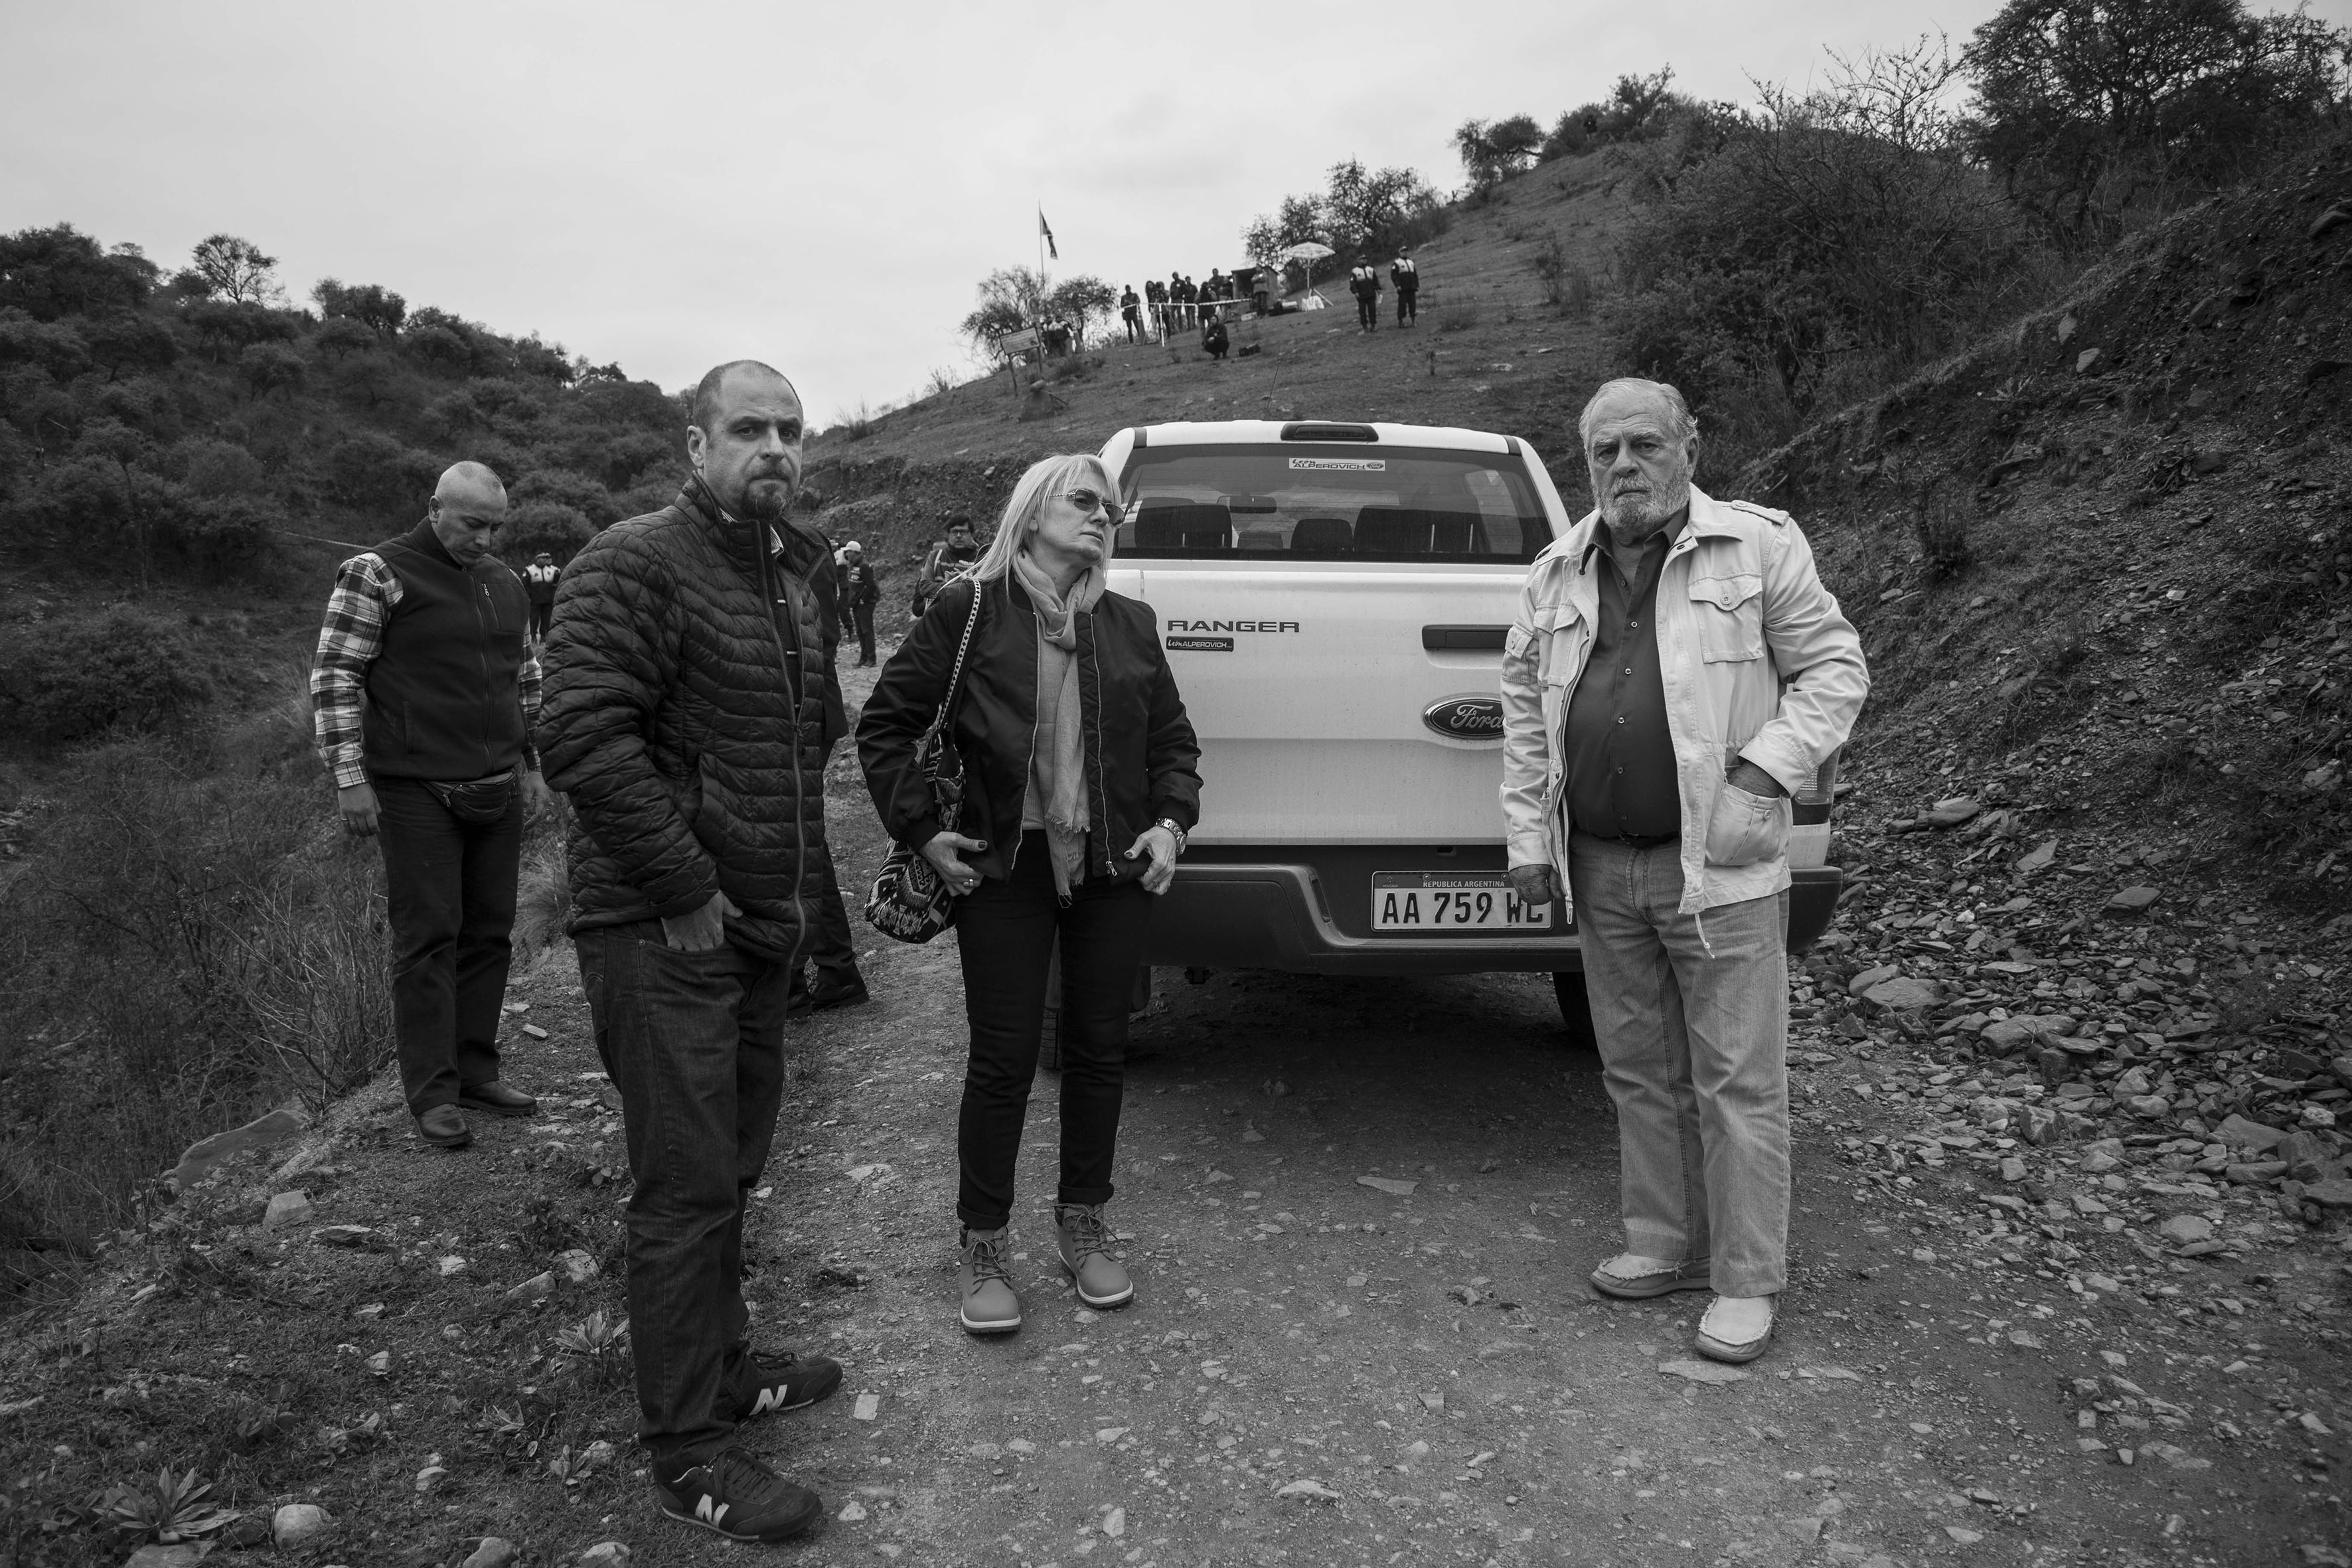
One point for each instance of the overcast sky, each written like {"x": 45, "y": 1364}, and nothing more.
{"x": 817, "y": 186}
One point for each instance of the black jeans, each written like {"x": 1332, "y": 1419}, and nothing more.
{"x": 860, "y": 620}
{"x": 449, "y": 891}
{"x": 695, "y": 1042}
{"x": 829, "y": 947}
{"x": 1408, "y": 305}
{"x": 1005, "y": 930}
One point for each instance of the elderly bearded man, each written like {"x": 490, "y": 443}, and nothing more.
{"x": 690, "y": 701}
{"x": 1675, "y": 670}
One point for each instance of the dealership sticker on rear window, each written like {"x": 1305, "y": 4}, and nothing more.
{"x": 1200, "y": 645}
{"x": 1343, "y": 465}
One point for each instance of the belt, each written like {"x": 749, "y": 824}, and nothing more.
{"x": 1635, "y": 840}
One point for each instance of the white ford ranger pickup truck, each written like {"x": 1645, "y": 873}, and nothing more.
{"x": 1333, "y": 599}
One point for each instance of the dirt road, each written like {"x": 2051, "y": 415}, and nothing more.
{"x": 1316, "y": 1371}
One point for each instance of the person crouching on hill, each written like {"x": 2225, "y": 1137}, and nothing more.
{"x": 1080, "y": 783}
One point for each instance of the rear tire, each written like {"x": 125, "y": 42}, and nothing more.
{"x": 1575, "y": 1009}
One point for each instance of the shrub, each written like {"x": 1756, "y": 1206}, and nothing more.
{"x": 1941, "y": 520}
{"x": 75, "y": 681}
{"x": 375, "y": 472}
{"x": 193, "y": 942}
{"x": 564, "y": 487}
{"x": 535, "y": 526}
{"x": 2094, "y": 112}
{"x": 1456, "y": 318}
{"x": 1817, "y": 242}
{"x": 1567, "y": 288}
{"x": 213, "y": 467}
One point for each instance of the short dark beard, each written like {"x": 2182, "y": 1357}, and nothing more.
{"x": 764, "y": 506}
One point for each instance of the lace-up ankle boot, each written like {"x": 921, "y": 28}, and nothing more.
{"x": 990, "y": 1306}
{"x": 1083, "y": 1241}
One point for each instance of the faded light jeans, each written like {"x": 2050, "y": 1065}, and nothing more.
{"x": 1692, "y": 1016}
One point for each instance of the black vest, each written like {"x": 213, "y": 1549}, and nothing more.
{"x": 445, "y": 694}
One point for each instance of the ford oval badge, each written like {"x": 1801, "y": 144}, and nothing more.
{"x": 1465, "y": 718}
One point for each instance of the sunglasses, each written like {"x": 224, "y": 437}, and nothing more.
{"x": 1087, "y": 500}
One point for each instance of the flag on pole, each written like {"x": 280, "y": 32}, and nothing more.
{"x": 1045, "y": 233}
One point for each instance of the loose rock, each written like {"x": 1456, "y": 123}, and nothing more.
{"x": 300, "y": 1523}
{"x": 287, "y": 1208}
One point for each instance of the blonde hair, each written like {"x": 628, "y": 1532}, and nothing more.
{"x": 1046, "y": 477}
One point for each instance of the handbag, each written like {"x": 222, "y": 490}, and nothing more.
{"x": 910, "y": 902}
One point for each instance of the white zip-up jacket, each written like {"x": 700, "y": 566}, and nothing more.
{"x": 1758, "y": 663}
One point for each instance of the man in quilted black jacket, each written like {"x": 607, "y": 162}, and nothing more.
{"x": 688, "y": 707}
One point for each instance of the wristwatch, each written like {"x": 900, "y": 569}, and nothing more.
{"x": 1170, "y": 824}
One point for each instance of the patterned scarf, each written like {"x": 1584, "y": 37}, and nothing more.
{"x": 1057, "y": 764}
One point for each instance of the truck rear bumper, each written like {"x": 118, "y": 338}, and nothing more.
{"x": 1234, "y": 914}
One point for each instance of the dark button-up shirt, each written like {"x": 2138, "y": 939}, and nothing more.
{"x": 1619, "y": 755}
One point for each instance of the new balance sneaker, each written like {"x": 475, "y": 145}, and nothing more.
{"x": 783, "y": 1382}
{"x": 985, "y": 1287}
{"x": 1083, "y": 1242}
{"x": 736, "y": 1496}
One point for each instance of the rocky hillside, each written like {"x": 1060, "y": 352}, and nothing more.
{"x": 2097, "y": 827}
{"x": 2101, "y": 561}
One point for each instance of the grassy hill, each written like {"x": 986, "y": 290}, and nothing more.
{"x": 181, "y": 460}
{"x": 2099, "y": 558}
{"x": 1489, "y": 351}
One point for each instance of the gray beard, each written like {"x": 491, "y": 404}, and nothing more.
{"x": 1632, "y": 520}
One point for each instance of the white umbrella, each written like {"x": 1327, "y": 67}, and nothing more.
{"x": 1309, "y": 252}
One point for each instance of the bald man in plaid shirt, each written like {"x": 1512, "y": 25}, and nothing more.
{"x": 424, "y": 691}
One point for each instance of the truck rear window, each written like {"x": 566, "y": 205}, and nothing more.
{"x": 1343, "y": 501}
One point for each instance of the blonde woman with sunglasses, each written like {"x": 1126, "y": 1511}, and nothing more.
{"x": 1080, "y": 783}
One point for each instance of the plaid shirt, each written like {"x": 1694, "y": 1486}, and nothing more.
{"x": 366, "y": 590}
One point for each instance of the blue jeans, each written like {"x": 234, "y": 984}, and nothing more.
{"x": 695, "y": 1042}
{"x": 449, "y": 895}
{"x": 1006, "y": 930}
{"x": 1692, "y": 1016}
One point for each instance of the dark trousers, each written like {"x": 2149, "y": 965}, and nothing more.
{"x": 695, "y": 1042}
{"x": 539, "y": 614}
{"x": 1408, "y": 305}
{"x": 1368, "y": 312}
{"x": 1129, "y": 319}
{"x": 1006, "y": 931}
{"x": 828, "y": 947}
{"x": 450, "y": 891}
{"x": 860, "y": 620}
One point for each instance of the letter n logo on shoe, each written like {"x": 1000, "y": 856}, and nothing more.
{"x": 709, "y": 1511}
{"x": 769, "y": 1399}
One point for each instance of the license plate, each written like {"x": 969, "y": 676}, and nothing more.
{"x": 1451, "y": 901}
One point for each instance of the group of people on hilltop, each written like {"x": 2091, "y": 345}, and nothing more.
{"x": 1364, "y": 283}
{"x": 1178, "y": 304}
{"x": 686, "y": 708}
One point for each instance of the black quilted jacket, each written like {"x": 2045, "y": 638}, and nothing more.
{"x": 1142, "y": 762}
{"x": 692, "y": 750}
